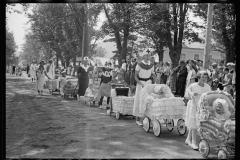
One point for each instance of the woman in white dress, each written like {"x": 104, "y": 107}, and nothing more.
{"x": 40, "y": 74}
{"x": 191, "y": 74}
{"x": 33, "y": 69}
{"x": 143, "y": 73}
{"x": 194, "y": 91}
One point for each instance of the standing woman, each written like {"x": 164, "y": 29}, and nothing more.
{"x": 194, "y": 91}
{"x": 105, "y": 87}
{"x": 143, "y": 75}
{"x": 191, "y": 74}
{"x": 159, "y": 72}
{"x": 83, "y": 78}
{"x": 166, "y": 72}
{"x": 40, "y": 74}
{"x": 33, "y": 69}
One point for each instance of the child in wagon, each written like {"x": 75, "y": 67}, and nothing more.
{"x": 162, "y": 92}
{"x": 90, "y": 90}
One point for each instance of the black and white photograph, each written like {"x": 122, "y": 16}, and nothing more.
{"x": 120, "y": 80}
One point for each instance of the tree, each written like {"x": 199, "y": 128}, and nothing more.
{"x": 100, "y": 52}
{"x": 119, "y": 26}
{"x": 11, "y": 48}
{"x": 224, "y": 27}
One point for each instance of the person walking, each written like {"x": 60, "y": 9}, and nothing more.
{"x": 51, "y": 69}
{"x": 105, "y": 87}
{"x": 27, "y": 68}
{"x": 40, "y": 74}
{"x": 143, "y": 73}
{"x": 181, "y": 79}
{"x": 13, "y": 69}
{"x": 194, "y": 91}
{"x": 83, "y": 78}
{"x": 33, "y": 69}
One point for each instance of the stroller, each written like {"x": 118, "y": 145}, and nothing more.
{"x": 161, "y": 112}
{"x": 220, "y": 133}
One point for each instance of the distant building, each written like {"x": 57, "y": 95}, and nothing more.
{"x": 193, "y": 54}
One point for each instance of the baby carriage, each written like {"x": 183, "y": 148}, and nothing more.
{"x": 216, "y": 121}
{"x": 121, "y": 101}
{"x": 70, "y": 89}
{"x": 161, "y": 112}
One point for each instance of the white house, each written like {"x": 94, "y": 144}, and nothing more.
{"x": 193, "y": 54}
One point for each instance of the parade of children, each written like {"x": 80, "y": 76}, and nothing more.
{"x": 189, "y": 81}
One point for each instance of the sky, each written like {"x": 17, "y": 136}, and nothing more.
{"x": 17, "y": 24}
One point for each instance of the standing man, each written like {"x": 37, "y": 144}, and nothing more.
{"x": 28, "y": 68}
{"x": 181, "y": 79}
{"x": 33, "y": 69}
{"x": 13, "y": 69}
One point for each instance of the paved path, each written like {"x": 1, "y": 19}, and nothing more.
{"x": 50, "y": 127}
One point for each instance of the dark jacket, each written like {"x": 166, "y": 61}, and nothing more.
{"x": 182, "y": 73}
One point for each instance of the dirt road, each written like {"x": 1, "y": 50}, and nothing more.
{"x": 51, "y": 127}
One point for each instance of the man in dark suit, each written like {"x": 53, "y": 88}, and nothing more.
{"x": 181, "y": 79}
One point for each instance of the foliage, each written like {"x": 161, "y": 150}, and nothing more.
{"x": 11, "y": 48}
{"x": 99, "y": 52}
{"x": 224, "y": 27}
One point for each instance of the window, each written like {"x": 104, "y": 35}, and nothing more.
{"x": 183, "y": 56}
{"x": 196, "y": 56}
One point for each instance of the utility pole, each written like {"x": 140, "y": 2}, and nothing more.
{"x": 208, "y": 36}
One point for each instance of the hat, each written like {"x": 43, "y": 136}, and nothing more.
{"x": 42, "y": 61}
{"x": 230, "y": 64}
{"x": 85, "y": 58}
{"x": 157, "y": 89}
{"x": 214, "y": 64}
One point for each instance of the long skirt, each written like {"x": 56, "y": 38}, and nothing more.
{"x": 127, "y": 77}
{"x": 105, "y": 90}
{"x": 190, "y": 119}
{"x": 83, "y": 85}
{"x": 164, "y": 78}
{"x": 132, "y": 80}
{"x": 136, "y": 105}
{"x": 33, "y": 74}
{"x": 40, "y": 83}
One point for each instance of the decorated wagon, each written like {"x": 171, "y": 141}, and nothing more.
{"x": 161, "y": 112}
{"x": 216, "y": 120}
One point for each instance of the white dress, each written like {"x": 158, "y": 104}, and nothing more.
{"x": 33, "y": 69}
{"x": 190, "y": 119}
{"x": 51, "y": 72}
{"x": 143, "y": 73}
{"x": 41, "y": 80}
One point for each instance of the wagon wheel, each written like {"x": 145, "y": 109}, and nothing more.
{"x": 146, "y": 124}
{"x": 204, "y": 148}
{"x": 222, "y": 154}
{"x": 117, "y": 115}
{"x": 170, "y": 124}
{"x": 156, "y": 128}
{"x": 182, "y": 129}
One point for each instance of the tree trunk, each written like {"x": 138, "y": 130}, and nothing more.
{"x": 175, "y": 56}
{"x": 160, "y": 52}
